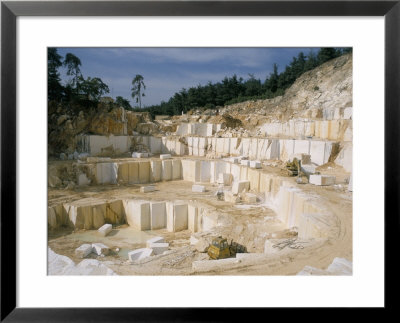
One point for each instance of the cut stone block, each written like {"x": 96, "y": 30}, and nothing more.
{"x": 234, "y": 160}
{"x": 106, "y": 173}
{"x": 115, "y": 212}
{"x": 138, "y": 214}
{"x": 157, "y": 216}
{"x": 176, "y": 169}
{"x": 83, "y": 251}
{"x": 165, "y": 156}
{"x": 100, "y": 249}
{"x": 133, "y": 173}
{"x": 231, "y": 198}
{"x": 177, "y": 217}
{"x": 154, "y": 240}
{"x": 205, "y": 171}
{"x": 155, "y": 145}
{"x": 301, "y": 146}
{"x": 167, "y": 170}
{"x": 139, "y": 155}
{"x": 317, "y": 152}
{"x": 240, "y": 186}
{"x": 245, "y": 162}
{"x": 235, "y": 171}
{"x": 192, "y": 218}
{"x": 105, "y": 229}
{"x": 159, "y": 248}
{"x": 322, "y": 180}
{"x": 139, "y": 254}
{"x": 146, "y": 189}
{"x": 155, "y": 170}
{"x": 308, "y": 169}
{"x": 250, "y": 198}
{"x": 198, "y": 188}
{"x": 225, "y": 179}
{"x": 86, "y": 213}
{"x": 144, "y": 172}
{"x": 255, "y": 164}
{"x": 123, "y": 173}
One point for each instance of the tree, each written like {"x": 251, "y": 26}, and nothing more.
{"x": 92, "y": 88}
{"x": 122, "y": 102}
{"x": 326, "y": 53}
{"x": 253, "y": 86}
{"x": 54, "y": 87}
{"x": 137, "y": 86}
{"x": 271, "y": 84}
{"x": 72, "y": 63}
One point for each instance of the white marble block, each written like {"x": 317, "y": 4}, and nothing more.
{"x": 105, "y": 229}
{"x": 198, "y": 188}
{"x": 100, "y": 249}
{"x": 240, "y": 186}
{"x": 138, "y": 214}
{"x": 177, "y": 217}
{"x": 167, "y": 170}
{"x": 165, "y": 156}
{"x": 154, "y": 240}
{"x": 255, "y": 164}
{"x": 159, "y": 247}
{"x": 225, "y": 178}
{"x": 322, "y": 180}
{"x": 157, "y": 215}
{"x": 146, "y": 189}
{"x": 84, "y": 250}
{"x": 139, "y": 254}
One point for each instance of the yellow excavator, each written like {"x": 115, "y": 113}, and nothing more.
{"x": 294, "y": 167}
{"x": 220, "y": 248}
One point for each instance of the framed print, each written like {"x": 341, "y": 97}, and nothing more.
{"x": 163, "y": 158}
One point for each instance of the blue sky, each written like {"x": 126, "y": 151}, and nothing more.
{"x": 168, "y": 70}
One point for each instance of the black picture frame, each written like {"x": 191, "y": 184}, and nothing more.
{"x": 10, "y": 10}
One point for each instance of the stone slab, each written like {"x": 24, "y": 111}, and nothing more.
{"x": 100, "y": 249}
{"x": 83, "y": 251}
{"x": 198, "y": 188}
{"x": 139, "y": 254}
{"x": 165, "y": 156}
{"x": 146, "y": 189}
{"x": 138, "y": 214}
{"x": 155, "y": 170}
{"x": 322, "y": 180}
{"x": 192, "y": 218}
{"x": 105, "y": 229}
{"x": 158, "y": 215}
{"x": 154, "y": 240}
{"x": 159, "y": 247}
{"x": 166, "y": 170}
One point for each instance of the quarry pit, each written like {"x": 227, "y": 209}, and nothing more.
{"x": 203, "y": 178}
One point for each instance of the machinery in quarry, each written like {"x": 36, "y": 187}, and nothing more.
{"x": 220, "y": 248}
{"x": 294, "y": 167}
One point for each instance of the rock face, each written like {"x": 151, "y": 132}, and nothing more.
{"x": 338, "y": 267}
{"x": 62, "y": 265}
{"x": 106, "y": 120}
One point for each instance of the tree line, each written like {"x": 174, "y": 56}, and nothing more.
{"x": 86, "y": 92}
{"x": 234, "y": 90}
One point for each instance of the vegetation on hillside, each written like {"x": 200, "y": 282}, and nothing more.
{"x": 86, "y": 93}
